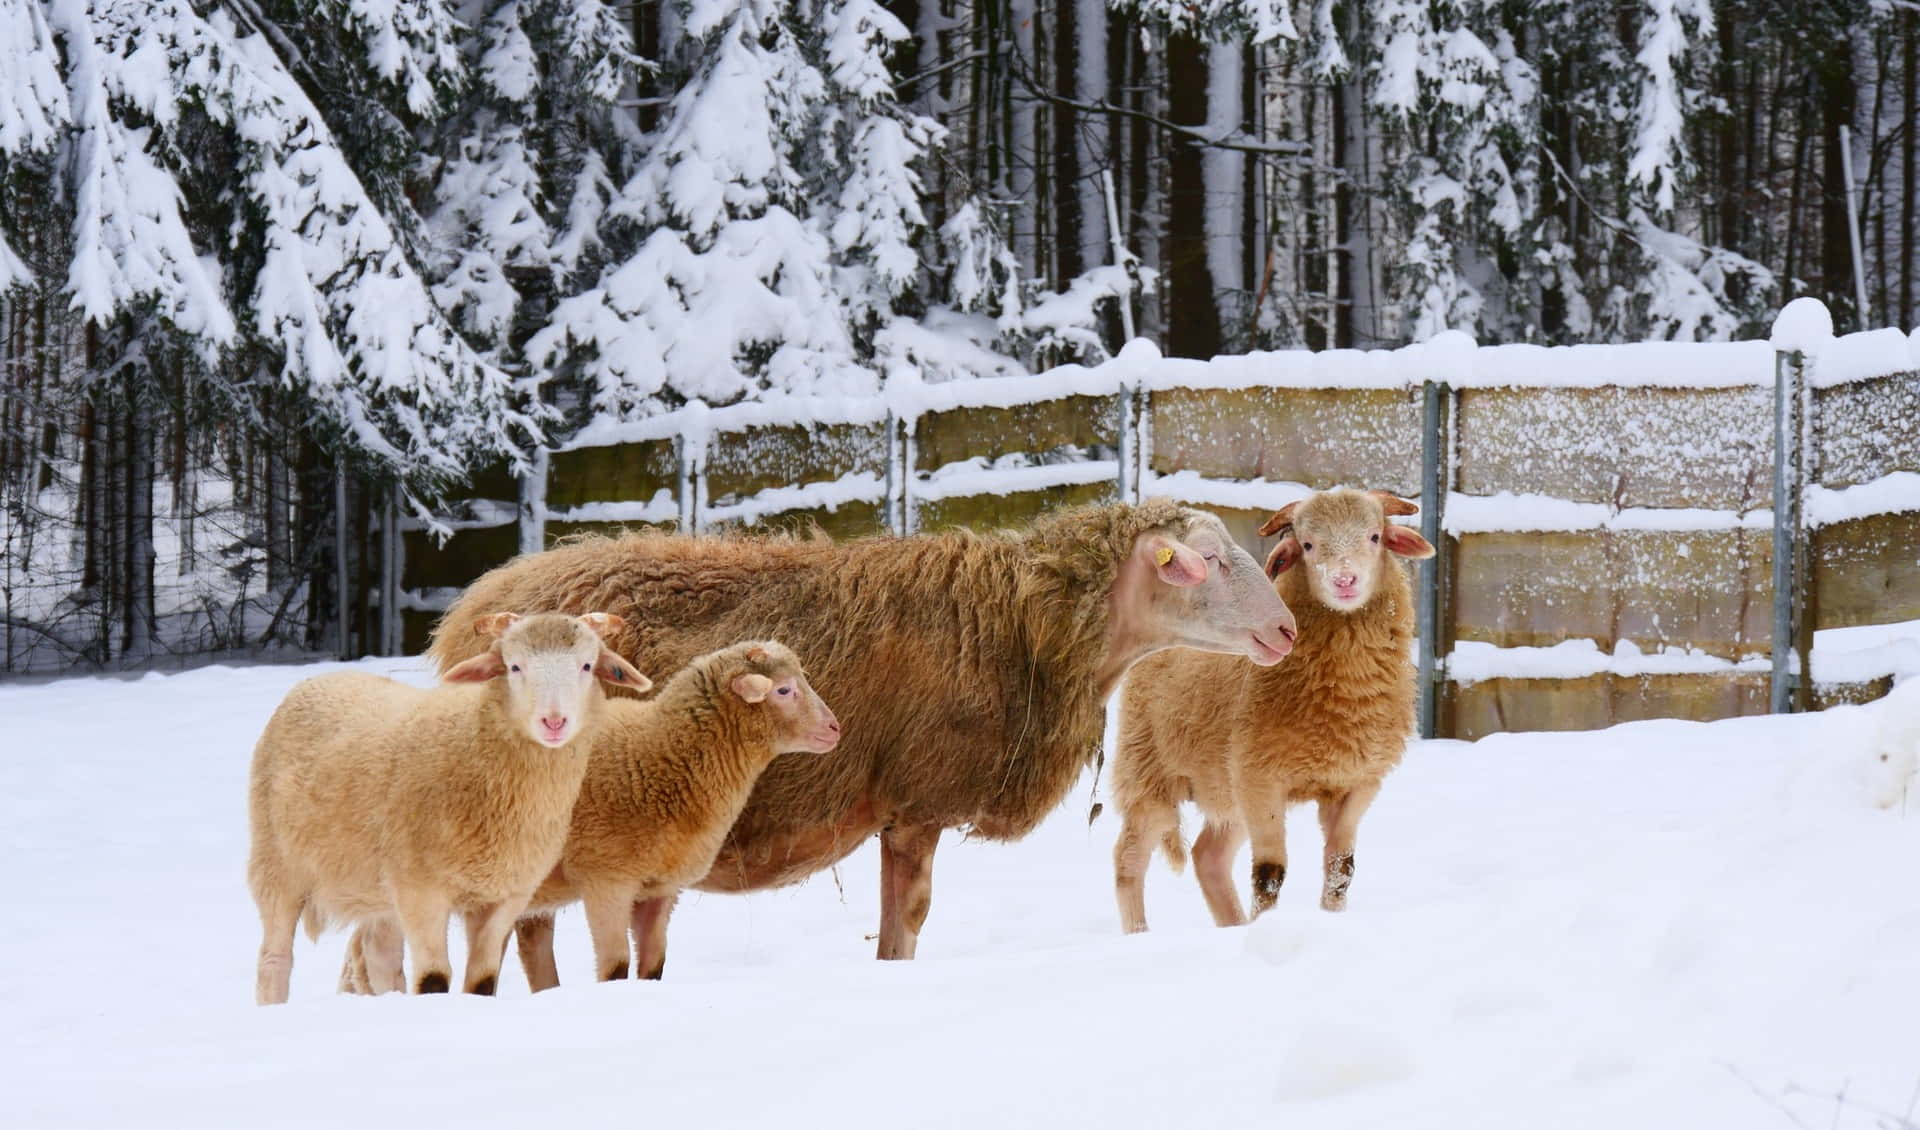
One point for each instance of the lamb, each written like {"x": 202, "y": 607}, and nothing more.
{"x": 392, "y": 806}
{"x": 665, "y": 781}
{"x": 974, "y": 667}
{"x": 1244, "y": 743}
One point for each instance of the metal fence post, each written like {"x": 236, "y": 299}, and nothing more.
{"x": 1788, "y": 468}
{"x": 1436, "y": 461}
{"x": 533, "y": 504}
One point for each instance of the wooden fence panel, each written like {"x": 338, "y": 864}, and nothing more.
{"x": 1866, "y": 429}
{"x": 621, "y": 472}
{"x": 1656, "y": 447}
{"x": 1319, "y": 437}
{"x": 1866, "y": 571}
{"x": 743, "y": 463}
{"x": 958, "y": 434}
{"x": 1597, "y": 701}
{"x": 1709, "y": 590}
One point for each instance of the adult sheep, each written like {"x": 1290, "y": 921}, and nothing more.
{"x": 971, "y": 670}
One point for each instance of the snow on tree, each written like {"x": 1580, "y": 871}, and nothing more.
{"x": 325, "y": 281}
{"x": 33, "y": 103}
{"x": 1262, "y": 21}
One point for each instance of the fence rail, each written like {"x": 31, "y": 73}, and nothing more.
{"x": 1612, "y": 541}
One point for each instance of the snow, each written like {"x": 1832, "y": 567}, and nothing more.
{"x": 1661, "y": 924}
{"x": 1858, "y": 357}
{"x": 1802, "y": 326}
{"x": 1507, "y": 511}
{"x": 1473, "y": 662}
{"x": 1866, "y": 652}
{"x": 1895, "y": 492}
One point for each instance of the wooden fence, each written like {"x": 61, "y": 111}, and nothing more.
{"x": 1606, "y": 526}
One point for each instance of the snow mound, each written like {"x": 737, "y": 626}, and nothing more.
{"x": 1802, "y": 326}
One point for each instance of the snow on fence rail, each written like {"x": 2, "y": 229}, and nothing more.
{"x": 1606, "y": 523}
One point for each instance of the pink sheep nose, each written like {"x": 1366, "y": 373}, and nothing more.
{"x": 556, "y": 724}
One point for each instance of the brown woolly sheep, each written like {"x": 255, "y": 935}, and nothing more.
{"x": 1243, "y": 743}
{"x": 972, "y": 668}
{"x": 392, "y": 806}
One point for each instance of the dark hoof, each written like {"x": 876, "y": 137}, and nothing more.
{"x": 483, "y": 988}
{"x": 433, "y": 983}
{"x": 617, "y": 973}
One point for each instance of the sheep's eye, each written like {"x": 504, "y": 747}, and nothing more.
{"x": 1307, "y": 546}
{"x": 784, "y": 691}
{"x": 586, "y": 666}
{"x": 515, "y": 668}
{"x": 1376, "y": 539}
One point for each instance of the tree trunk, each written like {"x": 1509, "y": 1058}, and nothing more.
{"x": 1834, "y": 74}
{"x": 140, "y": 611}
{"x": 1910, "y": 118}
{"x": 1193, "y": 316}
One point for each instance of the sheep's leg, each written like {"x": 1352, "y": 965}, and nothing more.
{"x": 1340, "y": 824}
{"x": 373, "y": 961}
{"x": 382, "y": 956}
{"x": 608, "y": 910}
{"x": 1263, "y": 809}
{"x": 353, "y": 968}
{"x": 650, "y": 935}
{"x": 1213, "y": 851}
{"x": 279, "y": 918}
{"x": 534, "y": 936}
{"x": 487, "y": 931}
{"x": 906, "y": 887}
{"x": 1142, "y": 826}
{"x": 423, "y": 918}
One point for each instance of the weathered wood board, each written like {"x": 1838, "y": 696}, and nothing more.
{"x": 1866, "y": 429}
{"x": 848, "y": 520}
{"x": 1320, "y": 437}
{"x": 560, "y": 531}
{"x": 1659, "y": 447}
{"x": 1709, "y": 589}
{"x": 466, "y": 555}
{"x": 747, "y": 462}
{"x": 1866, "y": 571}
{"x": 621, "y": 472}
{"x": 940, "y": 438}
{"x": 1597, "y": 701}
{"x": 997, "y": 511}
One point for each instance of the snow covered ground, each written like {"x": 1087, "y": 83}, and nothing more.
{"x": 1663, "y": 924}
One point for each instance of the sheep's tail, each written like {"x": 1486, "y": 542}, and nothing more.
{"x": 1174, "y": 846}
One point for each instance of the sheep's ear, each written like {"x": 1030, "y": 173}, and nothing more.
{"x": 1406, "y": 542}
{"x": 752, "y": 687}
{"x": 1178, "y": 564}
{"x": 604, "y": 624}
{"x": 610, "y": 668}
{"x": 495, "y": 625}
{"x": 1281, "y": 519}
{"x": 484, "y": 666}
{"x": 1393, "y": 504}
{"x": 1285, "y": 556}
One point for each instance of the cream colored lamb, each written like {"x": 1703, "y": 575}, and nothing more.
{"x": 393, "y": 807}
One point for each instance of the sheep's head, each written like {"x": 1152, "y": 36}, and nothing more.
{"x": 1342, "y": 538}
{"x": 767, "y": 676}
{"x": 550, "y": 662}
{"x": 1191, "y": 585}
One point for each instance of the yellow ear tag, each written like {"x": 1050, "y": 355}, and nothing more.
{"x": 1163, "y": 555}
